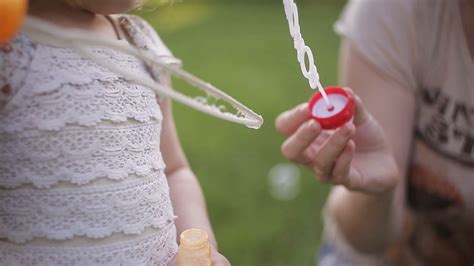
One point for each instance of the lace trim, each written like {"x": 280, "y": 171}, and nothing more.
{"x": 85, "y": 105}
{"x": 80, "y": 171}
{"x": 95, "y": 212}
{"x": 80, "y": 142}
{"x": 67, "y": 66}
{"x": 79, "y": 155}
{"x": 156, "y": 249}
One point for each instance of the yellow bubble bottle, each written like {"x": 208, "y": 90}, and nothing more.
{"x": 194, "y": 249}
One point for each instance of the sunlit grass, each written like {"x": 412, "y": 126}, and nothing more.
{"x": 184, "y": 15}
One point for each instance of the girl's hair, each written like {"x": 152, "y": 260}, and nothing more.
{"x": 80, "y": 3}
{"x": 146, "y": 4}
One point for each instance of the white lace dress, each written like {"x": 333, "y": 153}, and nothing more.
{"x": 81, "y": 174}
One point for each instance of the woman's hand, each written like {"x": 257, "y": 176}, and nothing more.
{"x": 356, "y": 156}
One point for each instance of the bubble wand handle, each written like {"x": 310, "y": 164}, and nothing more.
{"x": 83, "y": 42}
{"x": 309, "y": 71}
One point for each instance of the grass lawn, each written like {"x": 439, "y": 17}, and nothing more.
{"x": 244, "y": 48}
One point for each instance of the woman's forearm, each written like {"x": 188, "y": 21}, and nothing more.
{"x": 188, "y": 202}
{"x": 371, "y": 222}
{"x": 368, "y": 222}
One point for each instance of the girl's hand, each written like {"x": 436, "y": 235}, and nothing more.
{"x": 217, "y": 259}
{"x": 356, "y": 156}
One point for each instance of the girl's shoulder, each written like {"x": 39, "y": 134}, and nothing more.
{"x": 15, "y": 60}
{"x": 138, "y": 23}
{"x": 18, "y": 52}
{"x": 144, "y": 36}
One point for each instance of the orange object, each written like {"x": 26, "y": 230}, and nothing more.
{"x": 12, "y": 14}
{"x": 194, "y": 249}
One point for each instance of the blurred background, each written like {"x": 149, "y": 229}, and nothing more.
{"x": 264, "y": 210}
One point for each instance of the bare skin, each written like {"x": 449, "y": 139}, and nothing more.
{"x": 467, "y": 9}
{"x": 367, "y": 176}
{"x": 367, "y": 201}
{"x": 186, "y": 194}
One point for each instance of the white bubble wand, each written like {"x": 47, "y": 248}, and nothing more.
{"x": 83, "y": 41}
{"x": 303, "y": 51}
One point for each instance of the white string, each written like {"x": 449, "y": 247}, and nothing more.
{"x": 49, "y": 34}
{"x": 303, "y": 51}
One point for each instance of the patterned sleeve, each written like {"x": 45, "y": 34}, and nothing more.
{"x": 3, "y": 79}
{"x": 15, "y": 59}
{"x": 160, "y": 46}
{"x": 384, "y": 33}
{"x": 145, "y": 37}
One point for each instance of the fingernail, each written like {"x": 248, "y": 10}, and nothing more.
{"x": 347, "y": 129}
{"x": 304, "y": 108}
{"x": 313, "y": 125}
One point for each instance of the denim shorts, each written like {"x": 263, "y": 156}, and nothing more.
{"x": 329, "y": 256}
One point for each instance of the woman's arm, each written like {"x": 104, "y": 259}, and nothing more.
{"x": 366, "y": 160}
{"x": 371, "y": 222}
{"x": 186, "y": 194}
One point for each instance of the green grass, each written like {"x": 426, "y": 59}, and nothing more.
{"x": 245, "y": 49}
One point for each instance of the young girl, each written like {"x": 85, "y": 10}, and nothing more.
{"x": 82, "y": 172}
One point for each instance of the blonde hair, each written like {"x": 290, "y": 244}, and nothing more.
{"x": 79, "y": 3}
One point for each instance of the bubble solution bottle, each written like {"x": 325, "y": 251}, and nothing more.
{"x": 194, "y": 249}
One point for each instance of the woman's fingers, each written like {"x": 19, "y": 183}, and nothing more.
{"x": 288, "y": 122}
{"x": 332, "y": 158}
{"x": 326, "y": 156}
{"x": 343, "y": 164}
{"x": 361, "y": 114}
{"x": 293, "y": 148}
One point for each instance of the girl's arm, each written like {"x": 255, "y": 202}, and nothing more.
{"x": 186, "y": 194}
{"x": 371, "y": 222}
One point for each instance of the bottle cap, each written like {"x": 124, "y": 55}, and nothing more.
{"x": 194, "y": 239}
{"x": 341, "y": 111}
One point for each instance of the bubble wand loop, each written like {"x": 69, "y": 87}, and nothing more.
{"x": 53, "y": 35}
{"x": 303, "y": 51}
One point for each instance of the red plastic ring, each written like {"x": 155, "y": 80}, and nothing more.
{"x": 338, "y": 119}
